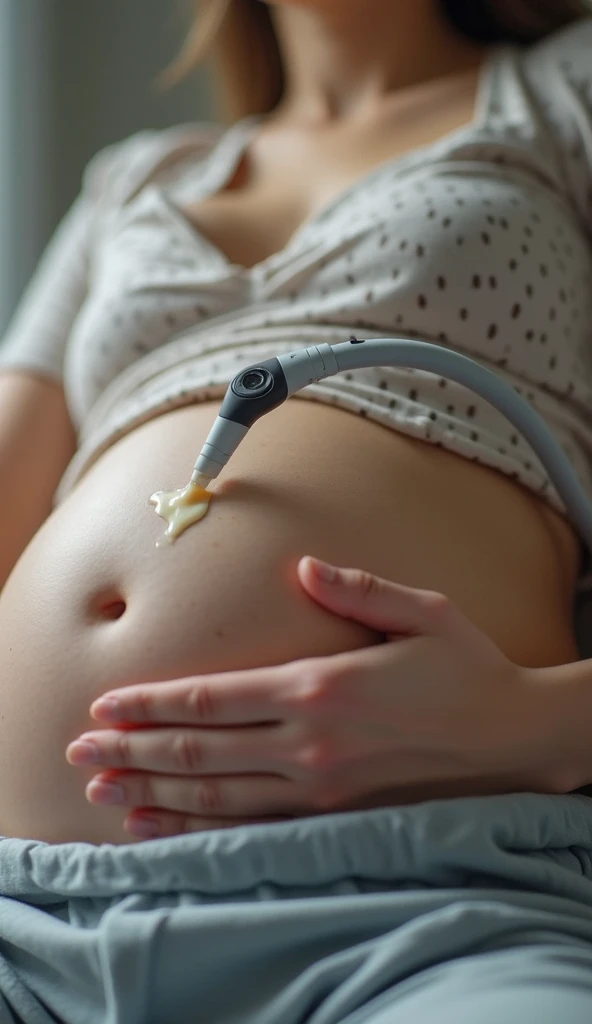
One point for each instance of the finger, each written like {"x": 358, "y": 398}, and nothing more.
{"x": 219, "y": 796}
{"x": 388, "y": 607}
{"x": 227, "y": 698}
{"x": 188, "y": 751}
{"x": 162, "y": 823}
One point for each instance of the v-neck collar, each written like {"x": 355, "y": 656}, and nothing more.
{"x": 230, "y": 149}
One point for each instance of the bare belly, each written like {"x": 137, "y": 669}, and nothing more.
{"x": 226, "y": 595}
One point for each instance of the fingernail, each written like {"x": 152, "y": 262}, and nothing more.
{"x": 106, "y": 707}
{"x": 324, "y": 571}
{"x": 144, "y": 828}
{"x": 83, "y": 752}
{"x": 105, "y": 793}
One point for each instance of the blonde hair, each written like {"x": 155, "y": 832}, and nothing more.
{"x": 239, "y": 35}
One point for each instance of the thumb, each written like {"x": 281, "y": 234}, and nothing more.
{"x": 373, "y": 601}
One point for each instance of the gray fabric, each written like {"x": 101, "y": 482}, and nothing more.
{"x": 417, "y": 914}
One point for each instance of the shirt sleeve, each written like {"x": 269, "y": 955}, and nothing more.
{"x": 560, "y": 67}
{"x": 37, "y": 337}
{"x": 38, "y": 333}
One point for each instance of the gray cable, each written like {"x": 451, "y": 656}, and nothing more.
{"x": 423, "y": 356}
{"x": 262, "y": 387}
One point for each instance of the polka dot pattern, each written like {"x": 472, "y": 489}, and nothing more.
{"x": 481, "y": 242}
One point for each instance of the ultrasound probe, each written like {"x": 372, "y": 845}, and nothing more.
{"x": 263, "y": 386}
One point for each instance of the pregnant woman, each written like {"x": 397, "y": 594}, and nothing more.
{"x": 391, "y": 169}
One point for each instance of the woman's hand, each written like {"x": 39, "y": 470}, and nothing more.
{"x": 436, "y": 710}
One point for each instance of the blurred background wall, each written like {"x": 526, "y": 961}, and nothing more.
{"x": 76, "y": 75}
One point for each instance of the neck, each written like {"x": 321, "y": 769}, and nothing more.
{"x": 347, "y": 58}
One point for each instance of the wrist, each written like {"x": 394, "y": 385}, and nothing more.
{"x": 559, "y": 699}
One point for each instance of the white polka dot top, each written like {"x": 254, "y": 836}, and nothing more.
{"x": 480, "y": 241}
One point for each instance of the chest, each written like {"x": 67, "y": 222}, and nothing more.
{"x": 486, "y": 263}
{"x": 287, "y": 176}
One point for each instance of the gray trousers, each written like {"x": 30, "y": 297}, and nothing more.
{"x": 473, "y": 911}
{"x": 530, "y": 983}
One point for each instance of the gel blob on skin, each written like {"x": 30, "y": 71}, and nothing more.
{"x": 181, "y": 508}
{"x": 260, "y": 388}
